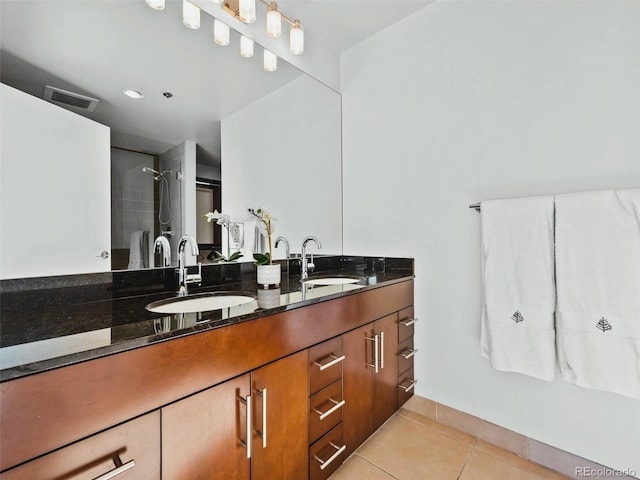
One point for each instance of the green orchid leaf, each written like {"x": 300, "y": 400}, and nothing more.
{"x": 261, "y": 258}
{"x": 235, "y": 256}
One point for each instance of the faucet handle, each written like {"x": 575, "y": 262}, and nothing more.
{"x": 310, "y": 265}
{"x": 195, "y": 277}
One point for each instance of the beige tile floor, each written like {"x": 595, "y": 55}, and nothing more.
{"x": 412, "y": 447}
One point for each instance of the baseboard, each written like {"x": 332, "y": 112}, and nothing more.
{"x": 550, "y": 457}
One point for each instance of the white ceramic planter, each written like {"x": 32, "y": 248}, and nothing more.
{"x": 269, "y": 275}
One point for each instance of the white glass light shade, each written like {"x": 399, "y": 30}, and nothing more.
{"x": 270, "y": 61}
{"x": 190, "y": 15}
{"x": 296, "y": 38}
{"x": 247, "y": 11}
{"x": 274, "y": 20}
{"x": 218, "y": 1}
{"x": 246, "y": 47}
{"x": 156, "y": 4}
{"x": 221, "y": 33}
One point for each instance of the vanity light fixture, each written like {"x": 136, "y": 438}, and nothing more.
{"x": 221, "y": 33}
{"x": 247, "y": 11}
{"x": 274, "y": 21}
{"x": 156, "y": 4}
{"x": 246, "y": 47}
{"x": 190, "y": 15}
{"x": 133, "y": 93}
{"x": 270, "y": 61}
{"x": 296, "y": 38}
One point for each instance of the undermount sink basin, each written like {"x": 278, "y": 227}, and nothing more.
{"x": 201, "y": 302}
{"x": 333, "y": 280}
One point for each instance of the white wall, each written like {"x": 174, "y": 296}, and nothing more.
{"x": 55, "y": 194}
{"x": 466, "y": 101}
{"x": 282, "y": 153}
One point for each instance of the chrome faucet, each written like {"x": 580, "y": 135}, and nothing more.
{"x": 304, "y": 273}
{"x": 286, "y": 245}
{"x": 184, "y": 279}
{"x": 162, "y": 243}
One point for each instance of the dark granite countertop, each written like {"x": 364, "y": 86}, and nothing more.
{"x": 48, "y": 323}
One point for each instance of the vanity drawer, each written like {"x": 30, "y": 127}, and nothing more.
{"x": 325, "y": 410}
{"x": 406, "y": 383}
{"x": 405, "y": 324}
{"x": 326, "y": 455}
{"x": 325, "y": 364}
{"x": 405, "y": 355}
{"x": 132, "y": 448}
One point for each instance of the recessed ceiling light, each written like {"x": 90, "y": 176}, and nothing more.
{"x": 132, "y": 93}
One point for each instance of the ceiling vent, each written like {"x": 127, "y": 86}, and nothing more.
{"x": 69, "y": 99}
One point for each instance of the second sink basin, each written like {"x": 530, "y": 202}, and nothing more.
{"x": 201, "y": 302}
{"x": 332, "y": 280}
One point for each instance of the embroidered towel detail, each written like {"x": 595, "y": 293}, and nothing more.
{"x": 598, "y": 270}
{"x": 603, "y": 325}
{"x": 517, "y": 263}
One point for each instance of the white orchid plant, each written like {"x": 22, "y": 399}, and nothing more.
{"x": 263, "y": 217}
{"x": 223, "y": 220}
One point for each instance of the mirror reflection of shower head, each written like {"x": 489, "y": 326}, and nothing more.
{"x": 159, "y": 177}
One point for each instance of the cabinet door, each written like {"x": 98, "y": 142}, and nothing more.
{"x": 358, "y": 386}
{"x": 386, "y": 380}
{"x": 132, "y": 449}
{"x": 281, "y": 420}
{"x": 203, "y": 436}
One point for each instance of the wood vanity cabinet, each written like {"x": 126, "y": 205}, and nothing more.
{"x": 205, "y": 436}
{"x": 370, "y": 378}
{"x": 326, "y": 404}
{"x": 130, "y": 451}
{"x": 184, "y": 408}
{"x": 406, "y": 352}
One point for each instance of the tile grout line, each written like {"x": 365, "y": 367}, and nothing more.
{"x": 376, "y": 466}
{"x": 440, "y": 431}
{"x": 466, "y": 460}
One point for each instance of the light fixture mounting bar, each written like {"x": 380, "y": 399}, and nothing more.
{"x": 232, "y": 7}
{"x": 289, "y": 21}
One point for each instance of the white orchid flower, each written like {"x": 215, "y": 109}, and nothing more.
{"x": 211, "y": 216}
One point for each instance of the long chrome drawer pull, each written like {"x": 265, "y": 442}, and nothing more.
{"x": 376, "y": 364}
{"x": 263, "y": 434}
{"x": 336, "y": 406}
{"x": 381, "y": 350}
{"x": 336, "y": 359}
{"x": 247, "y": 444}
{"x": 325, "y": 463}
{"x": 408, "y": 322}
{"x": 412, "y": 383}
{"x": 120, "y": 468}
{"x": 408, "y": 353}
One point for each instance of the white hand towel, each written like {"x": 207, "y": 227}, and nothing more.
{"x": 135, "y": 261}
{"x": 598, "y": 276}
{"x": 517, "y": 327}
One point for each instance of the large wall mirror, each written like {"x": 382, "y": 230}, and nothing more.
{"x": 212, "y": 127}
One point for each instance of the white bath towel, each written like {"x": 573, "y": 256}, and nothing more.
{"x": 517, "y": 327}
{"x": 598, "y": 277}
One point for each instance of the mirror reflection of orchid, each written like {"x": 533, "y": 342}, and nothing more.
{"x": 223, "y": 220}
{"x": 265, "y": 219}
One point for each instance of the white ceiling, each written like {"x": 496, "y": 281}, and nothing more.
{"x": 99, "y": 47}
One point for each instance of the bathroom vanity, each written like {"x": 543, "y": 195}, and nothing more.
{"x": 284, "y": 392}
